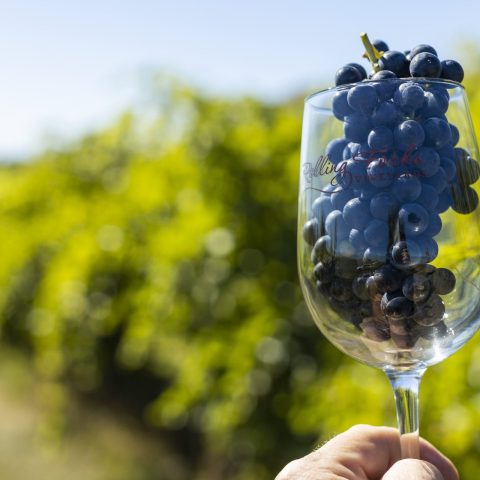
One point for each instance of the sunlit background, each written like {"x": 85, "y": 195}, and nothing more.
{"x": 152, "y": 324}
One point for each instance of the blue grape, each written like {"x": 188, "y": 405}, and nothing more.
{"x": 375, "y": 254}
{"x": 340, "y": 197}
{"x": 436, "y": 104}
{"x": 385, "y": 87}
{"x": 437, "y": 132}
{"x": 362, "y": 98}
{"x": 383, "y": 206}
{"x": 386, "y": 114}
{"x": 425, "y": 64}
{"x": 409, "y": 135}
{"x": 407, "y": 188}
{"x": 394, "y": 61}
{"x": 428, "y": 198}
{"x": 380, "y": 45}
{"x": 464, "y": 199}
{"x": 444, "y": 201}
{"x": 406, "y": 253}
{"x": 352, "y": 173}
{"x": 447, "y": 151}
{"x": 357, "y": 240}
{"x": 422, "y": 48}
{"x": 340, "y": 106}
{"x": 409, "y": 97}
{"x": 437, "y": 181}
{"x": 455, "y": 134}
{"x": 380, "y": 174}
{"x": 357, "y": 127}
{"x": 321, "y": 207}
{"x": 360, "y": 68}
{"x": 428, "y": 247}
{"x": 335, "y": 226}
{"x": 427, "y": 161}
{"x": 347, "y": 74}
{"x": 356, "y": 213}
{"x": 468, "y": 170}
{"x": 376, "y": 233}
{"x": 452, "y": 70}
{"x": 334, "y": 150}
{"x": 434, "y": 225}
{"x": 380, "y": 138}
{"x": 413, "y": 219}
{"x": 449, "y": 168}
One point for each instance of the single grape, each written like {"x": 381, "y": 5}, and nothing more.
{"x": 409, "y": 135}
{"x": 387, "y": 279}
{"x": 347, "y": 74}
{"x": 436, "y": 104}
{"x": 359, "y": 287}
{"x": 426, "y": 161}
{"x": 434, "y": 225}
{"x": 340, "y": 106}
{"x": 428, "y": 199}
{"x": 417, "y": 287}
{"x": 398, "y": 307}
{"x": 449, "y": 168}
{"x": 468, "y": 170}
{"x": 455, "y": 134}
{"x": 443, "y": 281}
{"x": 444, "y": 201}
{"x": 380, "y": 45}
{"x": 357, "y": 127}
{"x": 376, "y": 233}
{"x": 335, "y": 226}
{"x": 464, "y": 199}
{"x": 363, "y": 98}
{"x": 357, "y": 240}
{"x": 422, "y": 48}
{"x": 311, "y": 231}
{"x": 452, "y": 70}
{"x": 360, "y": 68}
{"x": 323, "y": 272}
{"x": 385, "y": 87}
{"x": 437, "y": 132}
{"x": 322, "y": 250}
{"x": 334, "y": 150}
{"x": 409, "y": 97}
{"x": 437, "y": 181}
{"x": 380, "y": 138}
{"x": 425, "y": 65}
{"x": 321, "y": 207}
{"x": 394, "y": 61}
{"x": 413, "y": 219}
{"x": 407, "y": 188}
{"x": 384, "y": 206}
{"x": 356, "y": 213}
{"x": 340, "y": 196}
{"x": 406, "y": 253}
{"x": 429, "y": 313}
{"x": 386, "y": 114}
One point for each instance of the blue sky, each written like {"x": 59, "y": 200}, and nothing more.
{"x": 71, "y": 66}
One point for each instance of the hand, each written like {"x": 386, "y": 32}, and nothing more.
{"x": 369, "y": 453}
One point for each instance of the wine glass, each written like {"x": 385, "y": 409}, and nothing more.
{"x": 389, "y": 229}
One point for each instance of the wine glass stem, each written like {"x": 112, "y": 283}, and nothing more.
{"x": 405, "y": 388}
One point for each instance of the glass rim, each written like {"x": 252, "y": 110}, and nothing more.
{"x": 424, "y": 80}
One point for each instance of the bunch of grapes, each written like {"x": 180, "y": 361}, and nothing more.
{"x": 397, "y": 168}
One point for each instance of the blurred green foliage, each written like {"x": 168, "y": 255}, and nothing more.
{"x": 152, "y": 266}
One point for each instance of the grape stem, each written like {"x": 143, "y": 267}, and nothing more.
{"x": 371, "y": 52}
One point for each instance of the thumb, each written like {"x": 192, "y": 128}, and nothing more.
{"x": 413, "y": 469}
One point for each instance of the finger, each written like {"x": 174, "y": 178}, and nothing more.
{"x": 366, "y": 451}
{"x": 429, "y": 453}
{"x": 410, "y": 468}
